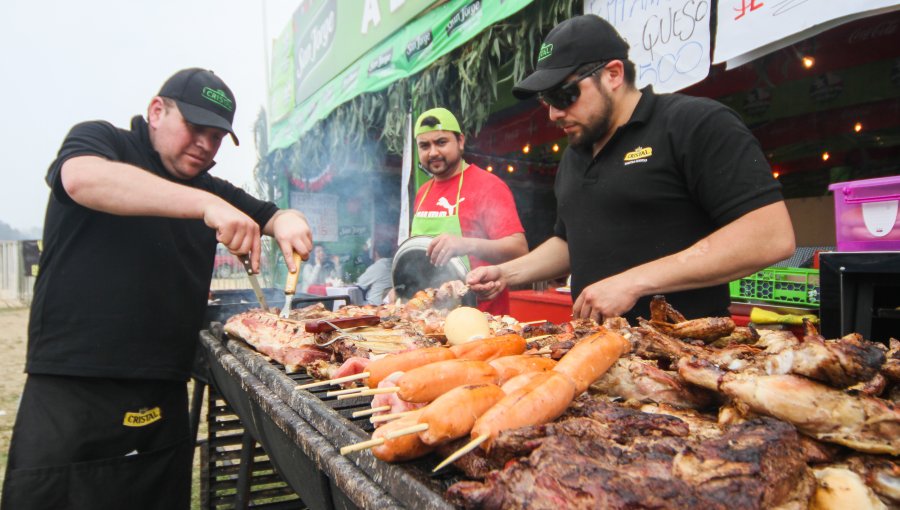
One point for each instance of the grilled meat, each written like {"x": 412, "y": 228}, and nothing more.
{"x": 707, "y": 329}
{"x": 880, "y": 473}
{"x": 891, "y": 367}
{"x": 662, "y": 311}
{"x": 633, "y": 378}
{"x": 839, "y": 363}
{"x": 755, "y": 465}
{"x": 863, "y": 423}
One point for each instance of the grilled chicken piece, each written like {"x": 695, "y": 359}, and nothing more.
{"x": 650, "y": 343}
{"x": 880, "y": 473}
{"x": 740, "y": 335}
{"x": 669, "y": 321}
{"x": 662, "y": 311}
{"x": 891, "y": 367}
{"x": 839, "y": 363}
{"x": 839, "y": 488}
{"x": 633, "y": 378}
{"x": 707, "y": 329}
{"x": 863, "y": 423}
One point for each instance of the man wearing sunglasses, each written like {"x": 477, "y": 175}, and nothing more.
{"x": 656, "y": 194}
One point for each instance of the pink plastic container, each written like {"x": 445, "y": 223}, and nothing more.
{"x": 867, "y": 214}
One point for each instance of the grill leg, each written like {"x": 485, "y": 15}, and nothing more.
{"x": 196, "y": 407}
{"x": 242, "y": 497}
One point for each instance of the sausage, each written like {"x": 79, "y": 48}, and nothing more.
{"x": 521, "y": 380}
{"x": 401, "y": 448}
{"x": 538, "y": 402}
{"x": 428, "y": 382}
{"x": 510, "y": 366}
{"x": 453, "y": 414}
{"x": 401, "y": 362}
{"x": 590, "y": 358}
{"x": 487, "y": 349}
{"x": 325, "y": 325}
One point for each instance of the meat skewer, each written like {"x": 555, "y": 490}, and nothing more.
{"x": 365, "y": 412}
{"x": 453, "y": 414}
{"x": 546, "y": 397}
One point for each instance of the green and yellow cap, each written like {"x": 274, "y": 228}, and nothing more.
{"x": 446, "y": 122}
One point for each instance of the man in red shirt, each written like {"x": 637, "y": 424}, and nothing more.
{"x": 469, "y": 212}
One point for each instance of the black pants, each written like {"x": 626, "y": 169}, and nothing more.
{"x": 85, "y": 443}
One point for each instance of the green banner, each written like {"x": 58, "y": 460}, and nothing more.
{"x": 281, "y": 86}
{"x": 330, "y": 35}
{"x": 408, "y": 51}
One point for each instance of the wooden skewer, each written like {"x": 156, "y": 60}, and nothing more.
{"x": 365, "y": 445}
{"x": 339, "y": 380}
{"x": 468, "y": 447}
{"x": 535, "y": 322}
{"x": 412, "y": 429}
{"x": 389, "y": 417}
{"x": 366, "y": 393}
{"x": 335, "y": 393}
{"x": 540, "y": 352}
{"x": 366, "y": 412}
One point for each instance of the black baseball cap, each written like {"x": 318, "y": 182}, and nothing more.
{"x": 202, "y": 98}
{"x": 572, "y": 43}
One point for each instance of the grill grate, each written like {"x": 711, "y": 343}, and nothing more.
{"x": 220, "y": 466}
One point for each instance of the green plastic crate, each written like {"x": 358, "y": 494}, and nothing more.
{"x": 782, "y": 285}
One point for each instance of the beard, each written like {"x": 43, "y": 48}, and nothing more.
{"x": 596, "y": 126}
{"x": 443, "y": 166}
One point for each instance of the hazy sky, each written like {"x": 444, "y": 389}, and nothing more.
{"x": 66, "y": 61}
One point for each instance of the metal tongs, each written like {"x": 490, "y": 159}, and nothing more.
{"x": 324, "y": 326}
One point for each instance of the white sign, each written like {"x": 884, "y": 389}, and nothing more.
{"x": 406, "y": 172}
{"x": 669, "y": 39}
{"x": 321, "y": 213}
{"x": 748, "y": 29}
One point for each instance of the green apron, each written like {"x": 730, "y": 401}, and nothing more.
{"x": 441, "y": 224}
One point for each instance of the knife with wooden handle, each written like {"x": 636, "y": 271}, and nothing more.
{"x": 290, "y": 287}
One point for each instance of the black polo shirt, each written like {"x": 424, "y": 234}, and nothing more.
{"x": 122, "y": 296}
{"x": 681, "y": 168}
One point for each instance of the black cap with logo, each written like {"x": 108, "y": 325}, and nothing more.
{"x": 202, "y": 98}
{"x": 572, "y": 43}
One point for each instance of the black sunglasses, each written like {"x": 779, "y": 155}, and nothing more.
{"x": 566, "y": 94}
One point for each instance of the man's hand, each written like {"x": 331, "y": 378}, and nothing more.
{"x": 292, "y": 233}
{"x": 486, "y": 281}
{"x": 609, "y": 297}
{"x": 234, "y": 229}
{"x": 446, "y": 246}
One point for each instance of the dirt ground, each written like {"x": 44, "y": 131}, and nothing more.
{"x": 13, "y": 329}
{"x": 13, "y": 339}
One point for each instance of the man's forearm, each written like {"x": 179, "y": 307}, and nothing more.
{"x": 269, "y": 228}
{"x": 549, "y": 260}
{"x": 753, "y": 241}
{"x": 125, "y": 190}
{"x": 500, "y": 250}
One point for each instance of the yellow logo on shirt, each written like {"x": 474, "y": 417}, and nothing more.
{"x": 638, "y": 155}
{"x": 142, "y": 418}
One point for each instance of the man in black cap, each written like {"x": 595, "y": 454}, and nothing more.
{"x": 657, "y": 194}
{"x": 129, "y": 245}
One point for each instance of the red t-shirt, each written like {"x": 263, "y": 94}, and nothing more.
{"x": 486, "y": 211}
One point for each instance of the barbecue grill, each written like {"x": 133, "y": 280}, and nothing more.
{"x": 302, "y": 431}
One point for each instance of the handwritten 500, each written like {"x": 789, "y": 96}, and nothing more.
{"x": 673, "y": 31}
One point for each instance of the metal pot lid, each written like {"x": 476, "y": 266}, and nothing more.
{"x": 412, "y": 270}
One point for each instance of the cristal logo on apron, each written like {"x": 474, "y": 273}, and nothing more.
{"x": 142, "y": 418}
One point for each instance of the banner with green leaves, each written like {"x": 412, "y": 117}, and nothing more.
{"x": 407, "y": 52}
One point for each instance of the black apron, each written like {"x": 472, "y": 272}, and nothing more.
{"x": 85, "y": 443}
